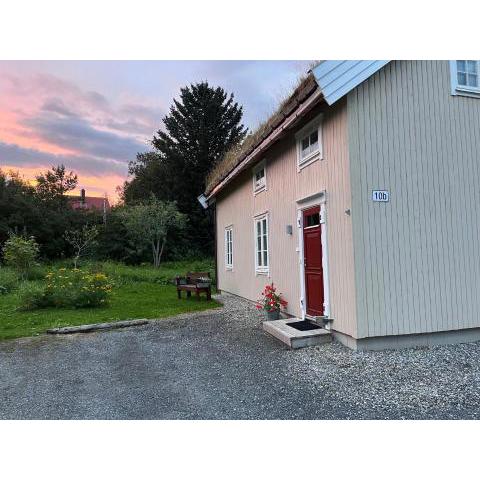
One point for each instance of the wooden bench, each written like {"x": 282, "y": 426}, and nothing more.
{"x": 192, "y": 283}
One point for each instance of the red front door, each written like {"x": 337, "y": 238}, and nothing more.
{"x": 312, "y": 250}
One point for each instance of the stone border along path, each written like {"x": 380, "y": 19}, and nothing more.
{"x": 122, "y": 323}
{"x": 97, "y": 326}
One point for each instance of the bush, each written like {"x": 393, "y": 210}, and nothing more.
{"x": 37, "y": 272}
{"x": 20, "y": 253}
{"x": 8, "y": 280}
{"x": 32, "y": 296}
{"x": 69, "y": 289}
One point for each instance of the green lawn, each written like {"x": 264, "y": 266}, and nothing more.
{"x": 140, "y": 292}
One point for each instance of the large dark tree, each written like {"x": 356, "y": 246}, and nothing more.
{"x": 18, "y": 207}
{"x": 200, "y": 127}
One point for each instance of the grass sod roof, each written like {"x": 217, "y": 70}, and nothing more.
{"x": 238, "y": 153}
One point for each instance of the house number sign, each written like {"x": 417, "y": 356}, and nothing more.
{"x": 380, "y": 195}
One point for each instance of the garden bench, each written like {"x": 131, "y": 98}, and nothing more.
{"x": 194, "y": 282}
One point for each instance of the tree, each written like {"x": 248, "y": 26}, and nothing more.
{"x": 55, "y": 183}
{"x": 41, "y": 211}
{"x": 114, "y": 242}
{"x": 81, "y": 240}
{"x": 200, "y": 127}
{"x": 150, "y": 222}
{"x": 17, "y": 204}
{"x": 20, "y": 253}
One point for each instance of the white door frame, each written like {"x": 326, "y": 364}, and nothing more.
{"x": 303, "y": 204}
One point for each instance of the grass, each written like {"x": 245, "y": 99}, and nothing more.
{"x": 163, "y": 275}
{"x": 140, "y": 292}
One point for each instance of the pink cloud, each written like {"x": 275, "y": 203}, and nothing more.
{"x": 45, "y": 120}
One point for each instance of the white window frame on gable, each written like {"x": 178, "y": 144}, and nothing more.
{"x": 229, "y": 247}
{"x": 262, "y": 241}
{"x": 309, "y": 150}
{"x": 259, "y": 181}
{"x": 465, "y": 77}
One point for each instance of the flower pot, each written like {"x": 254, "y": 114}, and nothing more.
{"x": 274, "y": 315}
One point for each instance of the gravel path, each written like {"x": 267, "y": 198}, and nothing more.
{"x": 440, "y": 382}
{"x": 220, "y": 365}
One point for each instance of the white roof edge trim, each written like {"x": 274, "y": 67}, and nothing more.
{"x": 338, "y": 77}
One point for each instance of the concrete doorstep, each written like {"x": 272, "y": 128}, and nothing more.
{"x": 294, "y": 338}
{"x": 97, "y": 326}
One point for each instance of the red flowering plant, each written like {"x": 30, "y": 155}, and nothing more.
{"x": 271, "y": 301}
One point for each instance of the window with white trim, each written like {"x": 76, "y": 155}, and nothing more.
{"x": 259, "y": 177}
{"x": 465, "y": 76}
{"x": 261, "y": 244}
{"x": 309, "y": 143}
{"x": 229, "y": 248}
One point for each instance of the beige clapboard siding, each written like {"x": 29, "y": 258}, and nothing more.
{"x": 417, "y": 266}
{"x": 237, "y": 206}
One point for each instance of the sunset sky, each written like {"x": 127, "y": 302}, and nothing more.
{"x": 94, "y": 116}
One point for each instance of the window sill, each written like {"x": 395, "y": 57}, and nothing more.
{"x": 467, "y": 91}
{"x": 262, "y": 272}
{"x": 308, "y": 160}
{"x": 259, "y": 190}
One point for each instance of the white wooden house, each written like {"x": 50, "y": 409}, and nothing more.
{"x": 360, "y": 200}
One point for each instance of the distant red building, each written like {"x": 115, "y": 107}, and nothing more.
{"x": 82, "y": 202}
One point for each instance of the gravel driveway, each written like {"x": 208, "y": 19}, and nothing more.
{"x": 220, "y": 365}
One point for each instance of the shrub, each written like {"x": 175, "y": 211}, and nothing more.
{"x": 8, "y": 280}
{"x": 69, "y": 289}
{"x": 20, "y": 253}
{"x": 32, "y": 296}
{"x": 37, "y": 272}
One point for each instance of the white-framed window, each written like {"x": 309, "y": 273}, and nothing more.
{"x": 309, "y": 143}
{"x": 260, "y": 177}
{"x": 465, "y": 77}
{"x": 261, "y": 244}
{"x": 229, "y": 248}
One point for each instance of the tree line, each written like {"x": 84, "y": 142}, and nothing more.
{"x": 158, "y": 216}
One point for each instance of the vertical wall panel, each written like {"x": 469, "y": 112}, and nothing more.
{"x": 417, "y": 267}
